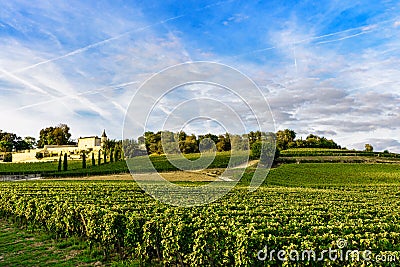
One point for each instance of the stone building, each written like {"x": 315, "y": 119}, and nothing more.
{"x": 92, "y": 142}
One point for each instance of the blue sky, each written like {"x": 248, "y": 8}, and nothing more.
{"x": 325, "y": 67}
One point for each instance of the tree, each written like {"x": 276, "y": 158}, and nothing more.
{"x": 149, "y": 140}
{"x": 109, "y": 144}
{"x": 206, "y": 145}
{"x": 59, "y": 163}
{"x": 169, "y": 142}
{"x": 116, "y": 155}
{"x": 369, "y": 148}
{"x": 111, "y": 155}
{"x": 182, "y": 136}
{"x": 131, "y": 148}
{"x": 189, "y": 145}
{"x": 105, "y": 156}
{"x": 65, "y": 166}
{"x": 99, "y": 158}
{"x": 153, "y": 143}
{"x": 30, "y": 141}
{"x": 239, "y": 142}
{"x": 93, "y": 160}
{"x": 265, "y": 151}
{"x": 9, "y": 140}
{"x": 207, "y": 142}
{"x": 83, "y": 160}
{"x": 253, "y": 137}
{"x": 285, "y": 138}
{"x": 58, "y": 135}
{"x": 5, "y": 146}
{"x": 224, "y": 143}
{"x": 15, "y": 142}
{"x": 20, "y": 144}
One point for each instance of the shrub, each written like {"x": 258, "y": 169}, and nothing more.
{"x": 39, "y": 155}
{"x": 8, "y": 157}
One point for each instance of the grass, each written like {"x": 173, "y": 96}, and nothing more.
{"x": 22, "y": 247}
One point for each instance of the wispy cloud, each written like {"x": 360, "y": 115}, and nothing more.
{"x": 330, "y": 68}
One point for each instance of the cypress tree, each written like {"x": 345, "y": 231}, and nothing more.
{"x": 93, "y": 160}
{"x": 84, "y": 160}
{"x": 99, "y": 158}
{"x": 116, "y": 155}
{"x": 111, "y": 155}
{"x": 65, "y": 166}
{"x": 105, "y": 156}
{"x": 59, "y": 163}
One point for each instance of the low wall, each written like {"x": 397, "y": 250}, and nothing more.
{"x": 19, "y": 177}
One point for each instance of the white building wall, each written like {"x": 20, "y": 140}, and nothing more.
{"x": 88, "y": 143}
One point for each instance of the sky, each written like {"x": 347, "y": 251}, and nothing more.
{"x": 325, "y": 67}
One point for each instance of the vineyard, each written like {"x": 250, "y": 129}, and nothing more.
{"x": 36, "y": 167}
{"x": 306, "y": 206}
{"x": 303, "y": 152}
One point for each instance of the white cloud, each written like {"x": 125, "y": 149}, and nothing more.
{"x": 318, "y": 86}
{"x": 79, "y": 87}
{"x": 236, "y": 18}
{"x": 81, "y": 65}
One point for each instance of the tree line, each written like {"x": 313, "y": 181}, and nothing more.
{"x": 57, "y": 135}
{"x": 286, "y": 139}
{"x": 11, "y": 142}
{"x": 168, "y": 142}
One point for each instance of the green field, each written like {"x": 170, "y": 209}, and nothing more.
{"x": 300, "y": 206}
